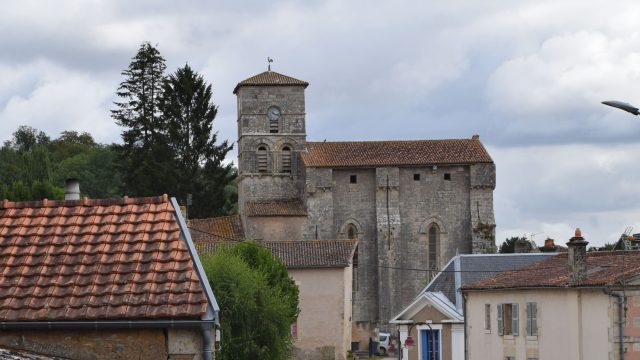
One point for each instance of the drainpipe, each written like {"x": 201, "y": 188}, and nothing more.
{"x": 621, "y": 300}
{"x": 464, "y": 316}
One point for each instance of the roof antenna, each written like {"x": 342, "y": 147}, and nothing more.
{"x": 269, "y": 61}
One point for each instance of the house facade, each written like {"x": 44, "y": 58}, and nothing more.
{"x": 103, "y": 279}
{"x": 323, "y": 272}
{"x": 410, "y": 204}
{"x": 440, "y": 304}
{"x": 575, "y": 305}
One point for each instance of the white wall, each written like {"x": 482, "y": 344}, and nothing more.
{"x": 572, "y": 324}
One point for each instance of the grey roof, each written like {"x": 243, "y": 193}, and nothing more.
{"x": 466, "y": 269}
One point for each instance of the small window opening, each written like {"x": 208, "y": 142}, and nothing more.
{"x": 353, "y": 179}
{"x": 273, "y": 126}
{"x": 286, "y": 159}
{"x": 416, "y": 177}
{"x": 262, "y": 159}
{"x": 447, "y": 176}
{"x": 351, "y": 232}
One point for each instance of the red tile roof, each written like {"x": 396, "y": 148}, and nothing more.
{"x": 293, "y": 207}
{"x": 269, "y": 78}
{"x": 603, "y": 268}
{"x": 222, "y": 227}
{"x": 95, "y": 259}
{"x": 301, "y": 253}
{"x": 394, "y": 153}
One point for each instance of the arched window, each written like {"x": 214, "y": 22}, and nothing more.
{"x": 432, "y": 246}
{"x": 262, "y": 159}
{"x": 352, "y": 232}
{"x": 286, "y": 159}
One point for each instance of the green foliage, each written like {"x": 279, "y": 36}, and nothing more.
{"x": 508, "y": 246}
{"x": 188, "y": 114}
{"x": 37, "y": 190}
{"x": 26, "y": 138}
{"x": 255, "y": 322}
{"x": 276, "y": 273}
{"x": 95, "y": 167}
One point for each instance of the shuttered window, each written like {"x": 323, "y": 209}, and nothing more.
{"x": 262, "y": 159}
{"x": 286, "y": 159}
{"x": 508, "y": 319}
{"x": 500, "y": 320}
{"x": 487, "y": 317}
{"x": 532, "y": 319}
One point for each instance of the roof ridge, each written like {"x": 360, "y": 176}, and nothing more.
{"x": 6, "y": 204}
{"x": 387, "y": 141}
{"x": 312, "y": 241}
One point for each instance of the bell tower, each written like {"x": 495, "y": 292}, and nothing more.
{"x": 271, "y": 135}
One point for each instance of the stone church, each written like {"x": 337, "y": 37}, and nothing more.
{"x": 412, "y": 205}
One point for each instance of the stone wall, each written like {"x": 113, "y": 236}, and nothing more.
{"x": 275, "y": 228}
{"x": 126, "y": 344}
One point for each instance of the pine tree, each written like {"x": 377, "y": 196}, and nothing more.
{"x": 188, "y": 113}
{"x": 145, "y": 158}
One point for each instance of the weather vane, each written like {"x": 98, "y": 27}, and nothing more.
{"x": 269, "y": 61}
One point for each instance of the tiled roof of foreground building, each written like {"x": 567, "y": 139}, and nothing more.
{"x": 293, "y": 207}
{"x": 10, "y": 354}
{"x": 224, "y": 227}
{"x": 302, "y": 253}
{"x": 95, "y": 259}
{"x": 603, "y": 268}
{"x": 388, "y": 153}
{"x": 270, "y": 78}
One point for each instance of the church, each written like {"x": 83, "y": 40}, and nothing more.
{"x": 411, "y": 205}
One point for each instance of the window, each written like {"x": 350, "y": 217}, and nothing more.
{"x": 354, "y": 275}
{"x": 447, "y": 176}
{"x": 416, "y": 177}
{"x": 262, "y": 159}
{"x": 286, "y": 159}
{"x": 353, "y": 179}
{"x": 532, "y": 319}
{"x": 509, "y": 358}
{"x": 430, "y": 344}
{"x": 487, "y": 317}
{"x": 352, "y": 232}
{"x": 508, "y": 321}
{"x": 432, "y": 246}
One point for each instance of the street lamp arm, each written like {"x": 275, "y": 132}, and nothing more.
{"x": 623, "y": 106}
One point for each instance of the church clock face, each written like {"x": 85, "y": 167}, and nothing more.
{"x": 274, "y": 113}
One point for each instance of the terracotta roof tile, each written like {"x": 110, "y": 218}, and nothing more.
{"x": 95, "y": 259}
{"x": 603, "y": 268}
{"x": 225, "y": 227}
{"x": 293, "y": 207}
{"x": 301, "y": 253}
{"x": 269, "y": 78}
{"x": 394, "y": 153}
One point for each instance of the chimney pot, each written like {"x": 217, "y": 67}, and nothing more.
{"x": 549, "y": 243}
{"x": 578, "y": 233}
{"x": 72, "y": 189}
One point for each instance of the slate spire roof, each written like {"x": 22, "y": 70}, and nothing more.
{"x": 269, "y": 78}
{"x": 96, "y": 259}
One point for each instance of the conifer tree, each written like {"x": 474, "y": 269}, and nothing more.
{"x": 188, "y": 113}
{"x": 145, "y": 158}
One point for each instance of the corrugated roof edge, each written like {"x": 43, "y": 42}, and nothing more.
{"x": 202, "y": 276}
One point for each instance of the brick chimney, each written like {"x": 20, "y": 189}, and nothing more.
{"x": 72, "y": 189}
{"x": 577, "y": 258}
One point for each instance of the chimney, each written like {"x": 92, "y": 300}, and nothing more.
{"x": 72, "y": 189}
{"x": 549, "y": 245}
{"x": 577, "y": 258}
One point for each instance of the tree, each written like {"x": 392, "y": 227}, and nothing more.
{"x": 188, "y": 113}
{"x": 508, "y": 246}
{"x": 26, "y": 138}
{"x": 145, "y": 158}
{"x": 254, "y": 323}
{"x": 276, "y": 273}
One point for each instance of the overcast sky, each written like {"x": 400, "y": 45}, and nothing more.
{"x": 527, "y": 76}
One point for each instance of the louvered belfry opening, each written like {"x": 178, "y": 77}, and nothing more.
{"x": 262, "y": 159}
{"x": 273, "y": 126}
{"x": 286, "y": 159}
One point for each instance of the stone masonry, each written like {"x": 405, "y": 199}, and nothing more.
{"x": 392, "y": 207}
